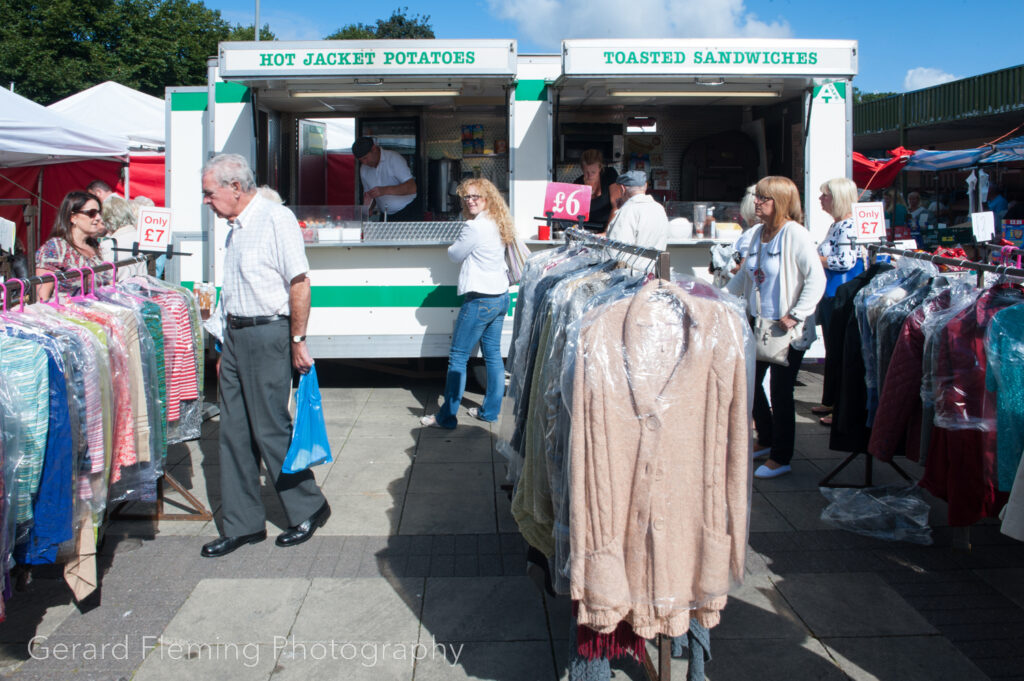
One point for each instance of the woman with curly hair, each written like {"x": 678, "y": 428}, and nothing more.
{"x": 480, "y": 247}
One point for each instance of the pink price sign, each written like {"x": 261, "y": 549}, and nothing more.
{"x": 567, "y": 200}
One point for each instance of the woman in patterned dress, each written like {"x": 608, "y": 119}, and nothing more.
{"x": 73, "y": 243}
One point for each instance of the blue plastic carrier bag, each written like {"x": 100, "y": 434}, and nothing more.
{"x": 309, "y": 445}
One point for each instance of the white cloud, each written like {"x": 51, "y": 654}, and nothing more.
{"x": 548, "y": 22}
{"x": 924, "y": 76}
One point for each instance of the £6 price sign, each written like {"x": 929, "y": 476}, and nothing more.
{"x": 567, "y": 200}
{"x": 869, "y": 222}
{"x": 154, "y": 228}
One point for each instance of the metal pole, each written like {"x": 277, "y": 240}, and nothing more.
{"x": 256, "y": 26}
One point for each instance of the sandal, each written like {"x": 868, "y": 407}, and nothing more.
{"x": 821, "y": 409}
{"x": 826, "y": 420}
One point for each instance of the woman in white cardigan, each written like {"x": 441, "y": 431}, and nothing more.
{"x": 783, "y": 266}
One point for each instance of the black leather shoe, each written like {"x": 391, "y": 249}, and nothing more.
{"x": 304, "y": 530}
{"x": 222, "y": 546}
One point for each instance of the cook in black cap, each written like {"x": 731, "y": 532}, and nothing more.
{"x": 386, "y": 179}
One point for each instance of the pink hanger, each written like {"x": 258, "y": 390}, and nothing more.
{"x": 92, "y": 291}
{"x": 81, "y": 283}
{"x": 113, "y": 267}
{"x": 55, "y": 300}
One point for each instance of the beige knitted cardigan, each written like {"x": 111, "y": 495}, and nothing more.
{"x": 660, "y": 462}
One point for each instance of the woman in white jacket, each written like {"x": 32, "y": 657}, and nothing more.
{"x": 783, "y": 266}
{"x": 483, "y": 280}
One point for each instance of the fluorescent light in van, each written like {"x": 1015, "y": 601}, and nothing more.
{"x": 693, "y": 93}
{"x": 379, "y": 93}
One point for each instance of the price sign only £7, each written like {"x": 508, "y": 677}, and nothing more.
{"x": 154, "y": 228}
{"x": 567, "y": 201}
{"x": 869, "y": 222}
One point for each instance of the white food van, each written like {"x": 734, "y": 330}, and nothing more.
{"x": 704, "y": 118}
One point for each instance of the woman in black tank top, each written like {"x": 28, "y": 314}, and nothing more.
{"x": 604, "y": 192}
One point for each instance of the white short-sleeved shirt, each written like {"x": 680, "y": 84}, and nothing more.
{"x": 391, "y": 170}
{"x": 264, "y": 252}
{"x": 641, "y": 221}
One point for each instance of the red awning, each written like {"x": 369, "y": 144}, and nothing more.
{"x": 871, "y": 173}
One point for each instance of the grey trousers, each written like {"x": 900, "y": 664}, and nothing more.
{"x": 255, "y": 379}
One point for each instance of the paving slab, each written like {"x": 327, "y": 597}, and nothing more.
{"x": 767, "y": 660}
{"x": 907, "y": 658}
{"x": 756, "y": 610}
{"x": 463, "y": 610}
{"x": 463, "y": 450}
{"x": 456, "y": 512}
{"x": 505, "y": 661}
{"x": 854, "y": 604}
{"x": 366, "y": 513}
{"x": 368, "y": 661}
{"x": 359, "y": 610}
{"x": 451, "y": 478}
{"x": 1007, "y": 581}
{"x": 173, "y": 661}
{"x": 359, "y": 449}
{"x": 802, "y": 510}
{"x": 766, "y": 518}
{"x": 239, "y": 611}
{"x": 368, "y": 478}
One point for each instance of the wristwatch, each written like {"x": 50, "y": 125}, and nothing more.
{"x": 298, "y": 339}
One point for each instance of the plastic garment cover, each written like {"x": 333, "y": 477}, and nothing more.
{"x": 883, "y": 292}
{"x": 99, "y": 404}
{"x": 309, "y": 446}
{"x": 958, "y": 372}
{"x": 660, "y": 461}
{"x": 540, "y": 504}
{"x": 541, "y": 272}
{"x": 11, "y": 407}
{"x": 24, "y": 365}
{"x": 183, "y": 353}
{"x": 1004, "y": 377}
{"x": 891, "y": 513}
{"x": 890, "y": 322}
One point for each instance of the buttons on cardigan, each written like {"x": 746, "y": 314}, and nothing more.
{"x": 651, "y": 422}
{"x": 659, "y": 523}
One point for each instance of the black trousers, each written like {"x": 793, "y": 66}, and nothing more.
{"x": 411, "y": 213}
{"x": 776, "y": 424}
{"x": 255, "y": 380}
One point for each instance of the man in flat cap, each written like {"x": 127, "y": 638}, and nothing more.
{"x": 640, "y": 220}
{"x": 386, "y": 179}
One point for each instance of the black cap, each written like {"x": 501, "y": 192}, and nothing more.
{"x": 362, "y": 146}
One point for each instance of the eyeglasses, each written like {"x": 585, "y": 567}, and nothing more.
{"x": 762, "y": 199}
{"x": 472, "y": 197}
{"x": 92, "y": 213}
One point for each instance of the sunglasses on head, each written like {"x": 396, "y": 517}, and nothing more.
{"x": 92, "y": 212}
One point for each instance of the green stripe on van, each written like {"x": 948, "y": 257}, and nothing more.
{"x": 188, "y": 101}
{"x": 230, "y": 93}
{"x": 531, "y": 91}
{"x": 386, "y": 296}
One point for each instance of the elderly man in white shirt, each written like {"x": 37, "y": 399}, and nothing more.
{"x": 387, "y": 180}
{"x": 266, "y": 302}
{"x": 640, "y": 220}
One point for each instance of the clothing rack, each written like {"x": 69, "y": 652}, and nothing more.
{"x": 661, "y": 270}
{"x": 878, "y": 249}
{"x": 198, "y": 511}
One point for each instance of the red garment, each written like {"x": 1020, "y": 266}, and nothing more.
{"x": 961, "y": 466}
{"x": 622, "y": 642}
{"x": 898, "y": 418}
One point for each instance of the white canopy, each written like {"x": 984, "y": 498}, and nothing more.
{"x": 119, "y": 110}
{"x": 31, "y": 134}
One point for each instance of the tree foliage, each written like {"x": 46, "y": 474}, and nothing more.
{"x": 398, "y": 26}
{"x": 860, "y": 97}
{"x": 56, "y": 48}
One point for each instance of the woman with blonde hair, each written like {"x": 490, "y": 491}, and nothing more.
{"x": 838, "y": 256}
{"x": 483, "y": 280}
{"x": 781, "y": 279}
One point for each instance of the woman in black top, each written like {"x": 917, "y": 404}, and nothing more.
{"x": 604, "y": 192}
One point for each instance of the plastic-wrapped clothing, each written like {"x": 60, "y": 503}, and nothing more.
{"x": 844, "y": 368}
{"x": 1013, "y": 512}
{"x": 539, "y": 492}
{"x": 11, "y": 407}
{"x": 897, "y": 427}
{"x": 963, "y": 296}
{"x": 24, "y": 365}
{"x": 961, "y": 466}
{"x": 842, "y": 308}
{"x": 961, "y": 400}
{"x": 660, "y": 462}
{"x": 1004, "y": 348}
{"x": 890, "y": 325}
{"x": 511, "y": 440}
{"x": 53, "y": 495}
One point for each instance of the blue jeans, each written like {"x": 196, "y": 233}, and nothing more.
{"x": 480, "y": 320}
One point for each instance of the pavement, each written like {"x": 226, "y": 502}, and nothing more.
{"x": 419, "y": 575}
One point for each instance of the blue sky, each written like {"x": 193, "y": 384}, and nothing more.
{"x": 904, "y": 44}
